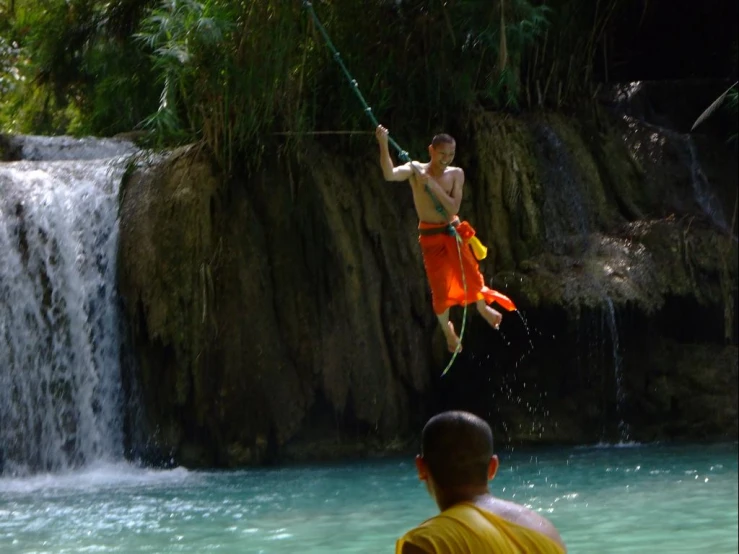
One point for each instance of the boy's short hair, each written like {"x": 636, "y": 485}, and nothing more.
{"x": 442, "y": 138}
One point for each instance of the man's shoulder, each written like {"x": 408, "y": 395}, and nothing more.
{"x": 480, "y": 528}
{"x": 455, "y": 172}
{"x": 523, "y": 517}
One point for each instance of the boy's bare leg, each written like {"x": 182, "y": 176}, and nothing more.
{"x": 447, "y": 327}
{"x": 492, "y": 316}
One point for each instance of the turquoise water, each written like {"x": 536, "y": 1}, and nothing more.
{"x": 652, "y": 499}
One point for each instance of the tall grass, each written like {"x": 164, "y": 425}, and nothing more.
{"x": 559, "y": 69}
{"x": 232, "y": 73}
{"x": 78, "y": 71}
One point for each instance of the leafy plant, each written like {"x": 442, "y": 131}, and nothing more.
{"x": 80, "y": 74}
{"x": 234, "y": 73}
{"x": 225, "y": 69}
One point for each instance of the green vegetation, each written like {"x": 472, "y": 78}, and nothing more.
{"x": 232, "y": 73}
{"x": 72, "y": 67}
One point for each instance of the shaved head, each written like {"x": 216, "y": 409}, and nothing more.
{"x": 442, "y": 138}
{"x": 457, "y": 447}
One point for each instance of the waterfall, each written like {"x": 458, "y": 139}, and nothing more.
{"x": 598, "y": 353}
{"x": 61, "y": 401}
{"x": 702, "y": 189}
{"x": 564, "y": 209}
{"x": 610, "y": 316}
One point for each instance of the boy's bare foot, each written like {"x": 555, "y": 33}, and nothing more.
{"x": 492, "y": 316}
{"x": 452, "y": 340}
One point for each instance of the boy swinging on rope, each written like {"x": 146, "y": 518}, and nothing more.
{"x": 446, "y": 277}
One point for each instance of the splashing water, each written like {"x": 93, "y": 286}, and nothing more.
{"x": 528, "y": 333}
{"x": 520, "y": 391}
{"x": 60, "y": 385}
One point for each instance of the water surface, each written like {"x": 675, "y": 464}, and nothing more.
{"x": 654, "y": 499}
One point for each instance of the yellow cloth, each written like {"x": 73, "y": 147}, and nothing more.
{"x": 466, "y": 529}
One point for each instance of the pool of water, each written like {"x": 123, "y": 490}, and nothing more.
{"x": 635, "y": 499}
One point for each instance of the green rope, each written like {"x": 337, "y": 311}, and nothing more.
{"x": 464, "y": 311}
{"x": 403, "y": 155}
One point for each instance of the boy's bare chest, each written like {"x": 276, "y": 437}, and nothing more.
{"x": 446, "y": 182}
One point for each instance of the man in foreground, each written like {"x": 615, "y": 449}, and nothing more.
{"x": 456, "y": 463}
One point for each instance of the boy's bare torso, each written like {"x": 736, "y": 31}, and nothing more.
{"x": 425, "y": 206}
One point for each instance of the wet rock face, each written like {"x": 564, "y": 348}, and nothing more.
{"x": 287, "y": 316}
{"x": 607, "y": 374}
{"x": 261, "y": 310}
{"x": 673, "y": 104}
{"x": 640, "y": 242}
{"x": 10, "y": 149}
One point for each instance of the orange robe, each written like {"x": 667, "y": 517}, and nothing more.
{"x": 443, "y": 270}
{"x": 466, "y": 529}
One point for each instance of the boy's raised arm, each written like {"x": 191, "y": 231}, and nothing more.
{"x": 389, "y": 171}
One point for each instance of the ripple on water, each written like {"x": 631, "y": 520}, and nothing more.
{"x": 606, "y": 500}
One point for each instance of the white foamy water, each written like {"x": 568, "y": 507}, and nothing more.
{"x": 96, "y": 477}
{"x": 41, "y": 148}
{"x": 60, "y": 383}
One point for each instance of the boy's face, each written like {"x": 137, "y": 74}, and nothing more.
{"x": 443, "y": 154}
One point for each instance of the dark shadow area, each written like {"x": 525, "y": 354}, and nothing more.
{"x": 672, "y": 39}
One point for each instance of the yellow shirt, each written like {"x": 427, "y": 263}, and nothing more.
{"x": 466, "y": 529}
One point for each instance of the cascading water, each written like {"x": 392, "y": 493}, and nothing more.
{"x": 638, "y": 117}
{"x": 610, "y": 316}
{"x": 564, "y": 210}
{"x": 703, "y": 191}
{"x": 702, "y": 188}
{"x": 599, "y": 353}
{"x": 60, "y": 377}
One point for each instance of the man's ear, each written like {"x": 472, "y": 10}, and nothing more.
{"x": 493, "y": 466}
{"x": 423, "y": 471}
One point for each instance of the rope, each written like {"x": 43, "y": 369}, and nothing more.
{"x": 403, "y": 155}
{"x": 457, "y": 241}
{"x": 355, "y": 87}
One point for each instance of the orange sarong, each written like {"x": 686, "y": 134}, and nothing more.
{"x": 444, "y": 273}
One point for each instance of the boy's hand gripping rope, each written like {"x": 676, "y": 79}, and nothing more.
{"x": 403, "y": 155}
